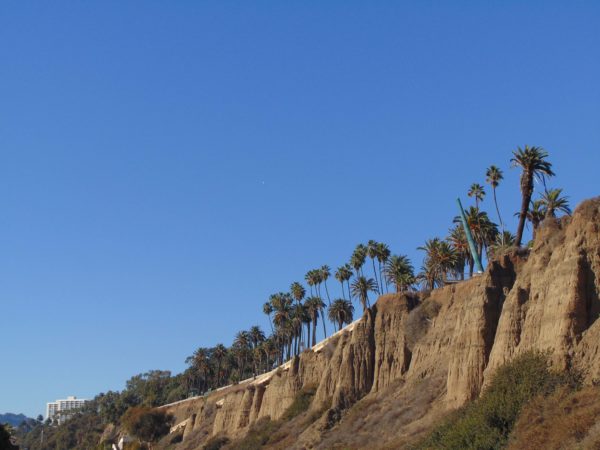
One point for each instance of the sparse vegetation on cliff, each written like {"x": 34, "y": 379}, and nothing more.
{"x": 487, "y": 422}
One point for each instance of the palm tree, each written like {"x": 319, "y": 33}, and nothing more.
{"x": 341, "y": 312}
{"x": 503, "y": 242}
{"x": 313, "y": 306}
{"x": 325, "y": 272}
{"x": 383, "y": 253}
{"x": 535, "y": 215}
{"x": 357, "y": 260}
{"x": 268, "y": 309}
{"x": 440, "y": 258}
{"x": 342, "y": 274}
{"x": 552, "y": 202}
{"x": 298, "y": 292}
{"x": 399, "y": 271}
{"x": 458, "y": 240}
{"x": 493, "y": 176}
{"x": 372, "y": 253}
{"x": 219, "y": 353}
{"x": 311, "y": 280}
{"x": 297, "y": 322}
{"x": 256, "y": 336}
{"x": 477, "y": 192}
{"x": 201, "y": 364}
{"x": 361, "y": 288}
{"x": 483, "y": 229}
{"x": 532, "y": 161}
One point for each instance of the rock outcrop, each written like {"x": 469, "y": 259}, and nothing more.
{"x": 382, "y": 369}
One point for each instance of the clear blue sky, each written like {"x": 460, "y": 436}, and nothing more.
{"x": 165, "y": 166}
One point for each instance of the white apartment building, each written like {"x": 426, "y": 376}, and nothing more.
{"x": 58, "y": 410}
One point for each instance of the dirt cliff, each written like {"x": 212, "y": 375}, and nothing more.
{"x": 387, "y": 378}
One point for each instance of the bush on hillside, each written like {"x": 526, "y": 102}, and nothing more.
{"x": 145, "y": 423}
{"x": 216, "y": 442}
{"x": 300, "y": 404}
{"x": 565, "y": 419}
{"x": 487, "y": 422}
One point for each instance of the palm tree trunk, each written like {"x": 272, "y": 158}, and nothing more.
{"x": 314, "y": 332}
{"x": 376, "y": 278}
{"x": 527, "y": 190}
{"x": 343, "y": 290}
{"x": 498, "y": 211}
{"x": 327, "y": 292}
{"x": 323, "y": 320}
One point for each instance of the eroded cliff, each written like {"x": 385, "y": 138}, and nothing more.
{"x": 411, "y": 357}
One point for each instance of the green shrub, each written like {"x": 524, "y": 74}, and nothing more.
{"x": 487, "y": 422}
{"x": 146, "y": 423}
{"x": 300, "y": 404}
{"x": 258, "y": 435}
{"x": 215, "y": 443}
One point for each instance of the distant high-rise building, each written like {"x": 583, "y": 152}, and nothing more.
{"x": 58, "y": 411}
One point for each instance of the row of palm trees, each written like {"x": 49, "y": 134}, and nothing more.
{"x": 446, "y": 259}
{"x": 294, "y": 315}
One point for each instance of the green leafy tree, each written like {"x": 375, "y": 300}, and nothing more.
{"x": 146, "y": 424}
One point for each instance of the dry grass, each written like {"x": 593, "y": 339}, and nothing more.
{"x": 419, "y": 320}
{"x": 563, "y": 420}
{"x": 399, "y": 413}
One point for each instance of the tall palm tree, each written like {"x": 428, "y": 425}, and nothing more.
{"x": 298, "y": 292}
{"x": 343, "y": 274}
{"x": 476, "y": 190}
{"x": 458, "y": 240}
{"x": 493, "y": 176}
{"x": 440, "y": 258}
{"x": 256, "y": 336}
{"x": 311, "y": 280}
{"x": 383, "y": 254}
{"x": 372, "y": 253}
{"x": 314, "y": 305}
{"x": 268, "y": 309}
{"x": 361, "y": 288}
{"x": 483, "y": 229}
{"x": 325, "y": 272}
{"x": 297, "y": 322}
{"x": 399, "y": 271}
{"x": 552, "y": 202}
{"x": 201, "y": 364}
{"x": 532, "y": 160}
{"x": 341, "y": 312}
{"x": 219, "y": 353}
{"x": 358, "y": 258}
